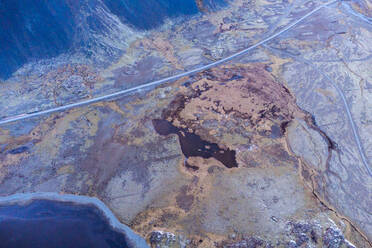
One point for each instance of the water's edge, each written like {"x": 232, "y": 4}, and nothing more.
{"x": 133, "y": 239}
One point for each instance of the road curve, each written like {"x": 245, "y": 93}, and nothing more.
{"x": 164, "y": 80}
{"x": 346, "y": 106}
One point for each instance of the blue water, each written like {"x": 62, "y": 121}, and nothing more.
{"x": 147, "y": 14}
{"x": 33, "y": 29}
{"x": 36, "y": 29}
{"x": 50, "y": 224}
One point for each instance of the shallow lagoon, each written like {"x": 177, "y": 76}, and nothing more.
{"x": 45, "y": 223}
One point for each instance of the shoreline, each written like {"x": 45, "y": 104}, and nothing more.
{"x": 141, "y": 87}
{"x": 132, "y": 238}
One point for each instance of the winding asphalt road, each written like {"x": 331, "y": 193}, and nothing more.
{"x": 164, "y": 80}
{"x": 346, "y": 105}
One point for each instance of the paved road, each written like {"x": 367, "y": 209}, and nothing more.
{"x": 164, "y": 80}
{"x": 346, "y": 106}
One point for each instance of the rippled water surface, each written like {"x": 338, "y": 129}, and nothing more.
{"x": 33, "y": 30}
{"x": 47, "y": 224}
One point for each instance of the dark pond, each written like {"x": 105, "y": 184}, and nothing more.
{"x": 193, "y": 145}
{"x": 50, "y": 224}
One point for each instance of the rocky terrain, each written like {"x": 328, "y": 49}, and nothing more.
{"x": 271, "y": 149}
{"x": 98, "y": 30}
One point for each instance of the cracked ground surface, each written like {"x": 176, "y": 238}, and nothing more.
{"x": 300, "y": 179}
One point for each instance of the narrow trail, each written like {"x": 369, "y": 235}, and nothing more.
{"x": 350, "y": 10}
{"x": 346, "y": 105}
{"x": 164, "y": 80}
{"x": 281, "y": 18}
